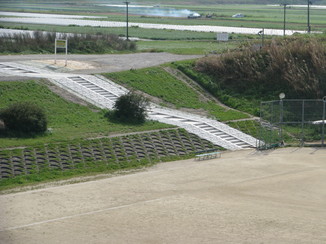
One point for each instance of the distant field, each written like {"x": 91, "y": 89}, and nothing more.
{"x": 134, "y": 32}
{"x": 172, "y": 41}
{"x": 256, "y": 16}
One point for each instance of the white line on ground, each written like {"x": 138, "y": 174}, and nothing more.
{"x": 79, "y": 215}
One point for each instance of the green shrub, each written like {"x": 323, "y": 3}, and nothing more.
{"x": 131, "y": 107}
{"x": 24, "y": 117}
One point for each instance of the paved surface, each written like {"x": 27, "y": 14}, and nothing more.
{"x": 104, "y": 62}
{"x": 103, "y": 93}
{"x": 243, "y": 197}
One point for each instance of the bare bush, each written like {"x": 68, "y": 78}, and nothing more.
{"x": 293, "y": 65}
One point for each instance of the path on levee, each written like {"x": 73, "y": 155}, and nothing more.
{"x": 102, "y": 92}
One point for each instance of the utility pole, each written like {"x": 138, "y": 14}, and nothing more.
{"x": 309, "y": 28}
{"x": 284, "y": 5}
{"x": 127, "y": 20}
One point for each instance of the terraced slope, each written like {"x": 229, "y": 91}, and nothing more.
{"x": 104, "y": 153}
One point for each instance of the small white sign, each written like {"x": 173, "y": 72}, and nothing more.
{"x": 222, "y": 37}
{"x": 60, "y": 43}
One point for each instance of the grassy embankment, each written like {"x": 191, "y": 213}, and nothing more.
{"x": 90, "y": 124}
{"x": 68, "y": 121}
{"x": 70, "y": 124}
{"x": 67, "y": 151}
{"x": 243, "y": 77}
{"x": 173, "y": 92}
{"x": 159, "y": 83}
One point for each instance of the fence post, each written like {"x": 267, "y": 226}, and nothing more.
{"x": 281, "y": 119}
{"x": 302, "y": 123}
{"x": 260, "y": 127}
{"x": 323, "y": 124}
{"x": 55, "y": 51}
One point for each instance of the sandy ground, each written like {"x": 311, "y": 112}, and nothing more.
{"x": 244, "y": 197}
{"x": 72, "y": 65}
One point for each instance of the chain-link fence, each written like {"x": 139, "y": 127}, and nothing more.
{"x": 295, "y": 122}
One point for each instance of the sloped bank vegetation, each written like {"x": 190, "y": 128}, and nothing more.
{"x": 43, "y": 42}
{"x": 295, "y": 66}
{"x": 80, "y": 139}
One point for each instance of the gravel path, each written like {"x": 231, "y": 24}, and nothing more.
{"x": 102, "y": 62}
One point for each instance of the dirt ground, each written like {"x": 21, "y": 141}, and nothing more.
{"x": 100, "y": 63}
{"x": 71, "y": 64}
{"x": 246, "y": 196}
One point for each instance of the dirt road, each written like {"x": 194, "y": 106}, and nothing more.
{"x": 244, "y": 197}
{"x": 106, "y": 62}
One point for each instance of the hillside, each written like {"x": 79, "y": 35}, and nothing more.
{"x": 81, "y": 139}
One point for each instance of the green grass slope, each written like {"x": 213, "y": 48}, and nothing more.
{"x": 159, "y": 83}
{"x": 81, "y": 141}
{"x": 67, "y": 120}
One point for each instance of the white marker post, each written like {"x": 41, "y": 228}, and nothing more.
{"x": 60, "y": 43}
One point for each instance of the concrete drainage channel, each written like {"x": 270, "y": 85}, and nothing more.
{"x": 103, "y": 93}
